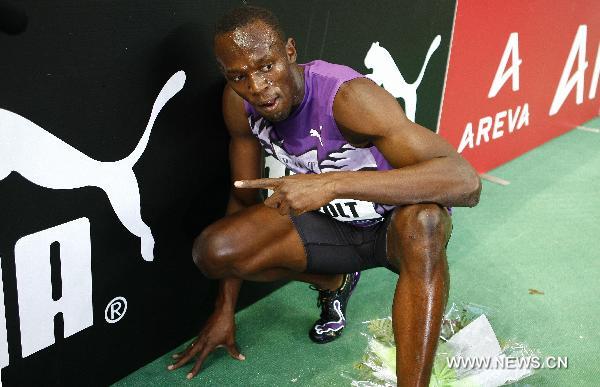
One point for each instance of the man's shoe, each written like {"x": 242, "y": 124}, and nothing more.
{"x": 333, "y": 305}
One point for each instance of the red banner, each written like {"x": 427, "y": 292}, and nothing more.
{"x": 519, "y": 74}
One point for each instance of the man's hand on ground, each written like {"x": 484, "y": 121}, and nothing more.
{"x": 295, "y": 194}
{"x": 219, "y": 331}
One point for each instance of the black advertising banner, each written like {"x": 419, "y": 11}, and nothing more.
{"x": 113, "y": 157}
{"x": 402, "y": 44}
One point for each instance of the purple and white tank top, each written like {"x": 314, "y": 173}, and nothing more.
{"x": 309, "y": 141}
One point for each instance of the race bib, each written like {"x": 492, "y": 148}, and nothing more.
{"x": 344, "y": 210}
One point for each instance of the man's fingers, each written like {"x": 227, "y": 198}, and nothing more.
{"x": 257, "y": 183}
{"x": 182, "y": 353}
{"x": 183, "y": 360}
{"x": 273, "y": 201}
{"x": 184, "y": 357}
{"x": 186, "y": 350}
{"x": 284, "y": 208}
{"x": 234, "y": 352}
{"x": 199, "y": 362}
{"x": 203, "y": 350}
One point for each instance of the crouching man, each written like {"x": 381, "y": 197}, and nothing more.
{"x": 345, "y": 137}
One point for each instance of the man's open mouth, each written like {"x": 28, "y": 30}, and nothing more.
{"x": 269, "y": 104}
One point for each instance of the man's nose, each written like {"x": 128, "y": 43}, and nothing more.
{"x": 257, "y": 83}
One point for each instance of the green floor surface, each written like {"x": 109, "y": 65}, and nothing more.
{"x": 540, "y": 232}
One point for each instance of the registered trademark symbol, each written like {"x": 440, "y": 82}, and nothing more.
{"x": 115, "y": 310}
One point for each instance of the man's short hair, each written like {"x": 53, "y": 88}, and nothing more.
{"x": 244, "y": 15}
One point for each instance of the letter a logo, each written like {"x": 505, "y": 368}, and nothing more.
{"x": 502, "y": 74}
{"x": 568, "y": 82}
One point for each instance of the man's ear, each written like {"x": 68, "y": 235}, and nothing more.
{"x": 290, "y": 50}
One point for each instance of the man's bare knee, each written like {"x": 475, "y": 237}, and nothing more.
{"x": 417, "y": 236}
{"x": 431, "y": 220}
{"x": 211, "y": 253}
{"x": 421, "y": 222}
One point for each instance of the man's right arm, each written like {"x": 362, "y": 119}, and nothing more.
{"x": 244, "y": 159}
{"x": 244, "y": 156}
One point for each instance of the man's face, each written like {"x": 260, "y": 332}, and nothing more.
{"x": 259, "y": 68}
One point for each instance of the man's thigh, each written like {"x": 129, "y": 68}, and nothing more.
{"x": 258, "y": 238}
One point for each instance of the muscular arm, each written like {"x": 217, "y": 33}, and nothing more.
{"x": 219, "y": 329}
{"x": 244, "y": 158}
{"x": 427, "y": 168}
{"x": 244, "y": 151}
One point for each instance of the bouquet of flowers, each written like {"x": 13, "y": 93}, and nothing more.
{"x": 466, "y": 335}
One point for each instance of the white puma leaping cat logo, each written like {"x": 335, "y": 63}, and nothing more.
{"x": 333, "y": 326}
{"x": 387, "y": 74}
{"x": 314, "y": 133}
{"x": 49, "y": 162}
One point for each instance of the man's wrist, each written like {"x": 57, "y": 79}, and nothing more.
{"x": 225, "y": 308}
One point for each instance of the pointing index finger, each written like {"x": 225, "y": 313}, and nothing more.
{"x": 257, "y": 183}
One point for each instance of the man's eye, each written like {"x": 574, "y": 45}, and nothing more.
{"x": 267, "y": 68}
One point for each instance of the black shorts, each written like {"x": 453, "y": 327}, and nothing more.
{"x": 334, "y": 247}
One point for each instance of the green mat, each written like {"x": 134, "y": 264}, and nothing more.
{"x": 540, "y": 232}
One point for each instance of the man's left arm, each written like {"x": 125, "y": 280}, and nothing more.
{"x": 426, "y": 168}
